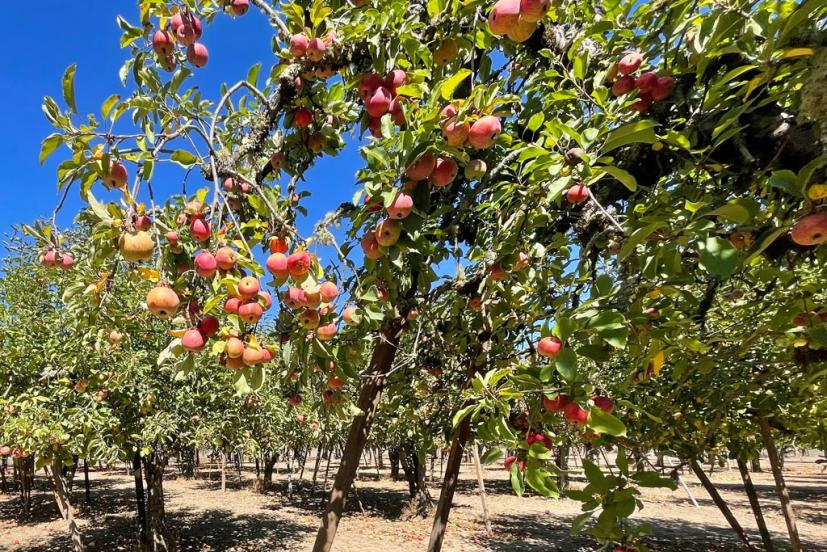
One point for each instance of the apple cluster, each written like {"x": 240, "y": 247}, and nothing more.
{"x": 379, "y": 97}
{"x": 52, "y": 258}
{"x": 517, "y": 19}
{"x": 458, "y": 133}
{"x": 313, "y": 301}
{"x": 649, "y": 85}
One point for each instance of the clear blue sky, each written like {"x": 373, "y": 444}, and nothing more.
{"x": 40, "y": 40}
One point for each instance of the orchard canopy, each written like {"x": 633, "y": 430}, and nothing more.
{"x": 574, "y": 222}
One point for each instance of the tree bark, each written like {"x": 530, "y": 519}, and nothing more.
{"x": 780, "y": 485}
{"x": 393, "y": 454}
{"x": 86, "y": 481}
{"x": 720, "y": 503}
{"x": 563, "y": 464}
{"x": 140, "y": 501}
{"x": 63, "y": 500}
{"x": 371, "y": 393}
{"x": 156, "y": 523}
{"x": 319, "y": 454}
{"x": 449, "y": 485}
{"x": 756, "y": 465}
{"x": 756, "y": 506}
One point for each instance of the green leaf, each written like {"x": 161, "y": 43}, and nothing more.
{"x": 462, "y": 413}
{"x": 566, "y": 364}
{"x": 638, "y": 131}
{"x": 611, "y": 326}
{"x": 536, "y": 121}
{"x": 785, "y": 180}
{"x": 491, "y": 456}
{"x": 517, "y": 480}
{"x": 183, "y": 158}
{"x": 69, "y": 87}
{"x": 603, "y": 422}
{"x": 718, "y": 256}
{"x": 252, "y": 74}
{"x": 624, "y": 177}
{"x": 449, "y": 86}
{"x": 99, "y": 208}
{"x": 732, "y": 211}
{"x": 108, "y": 104}
{"x": 50, "y": 144}
{"x": 539, "y": 479}
{"x": 637, "y": 237}
{"x": 653, "y": 479}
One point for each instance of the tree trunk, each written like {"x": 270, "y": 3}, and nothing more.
{"x": 156, "y": 523}
{"x": 319, "y": 454}
{"x": 3, "y": 482}
{"x": 720, "y": 503}
{"x": 371, "y": 393}
{"x": 756, "y": 506}
{"x": 140, "y": 500}
{"x": 270, "y": 460}
{"x": 414, "y": 467}
{"x": 380, "y": 458}
{"x": 393, "y": 454}
{"x": 449, "y": 485}
{"x": 563, "y": 464}
{"x": 780, "y": 485}
{"x": 756, "y": 465}
{"x": 63, "y": 500}
{"x": 24, "y": 468}
{"x": 223, "y": 459}
{"x": 86, "y": 481}
{"x": 481, "y": 483}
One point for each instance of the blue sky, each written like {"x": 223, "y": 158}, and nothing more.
{"x": 40, "y": 42}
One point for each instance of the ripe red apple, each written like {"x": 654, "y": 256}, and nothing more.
{"x": 234, "y": 347}
{"x": 475, "y": 303}
{"x": 66, "y": 261}
{"x": 484, "y": 132}
{"x": 303, "y": 117}
{"x": 810, "y": 230}
{"x": 509, "y": 461}
{"x": 193, "y": 340}
{"x": 388, "y": 232}
{"x": 188, "y": 28}
{"x": 115, "y": 336}
{"x": 208, "y": 326}
{"x": 162, "y": 301}
{"x": 421, "y": 168}
{"x": 316, "y": 49}
{"x": 294, "y": 297}
{"x": 379, "y": 102}
{"x": 549, "y": 346}
{"x": 556, "y": 404}
{"x": 277, "y": 161}
{"x": 316, "y": 142}
{"x": 136, "y": 246}
{"x": 117, "y": 175}
{"x": 278, "y": 244}
{"x": 401, "y": 207}
{"x": 539, "y": 438}
{"x": 623, "y": 85}
{"x": 347, "y": 315}
{"x": 48, "y": 257}
{"x": 496, "y": 273}
{"x": 577, "y": 193}
{"x": 205, "y": 264}
{"x": 503, "y": 16}
{"x": 162, "y": 43}
{"x": 231, "y": 305}
{"x": 326, "y": 332}
{"x": 475, "y": 169}
{"x": 629, "y": 63}
{"x": 250, "y": 312}
{"x": 299, "y": 44}
{"x": 248, "y": 287}
{"x": 277, "y": 265}
{"x": 265, "y": 299}
{"x": 575, "y": 414}
{"x": 298, "y": 264}
{"x": 368, "y": 85}
{"x": 197, "y": 54}
{"x": 266, "y": 355}
{"x": 533, "y": 10}
{"x": 252, "y": 356}
{"x": 143, "y": 222}
{"x": 643, "y": 102}
{"x": 603, "y": 403}
{"x": 395, "y": 79}
{"x": 663, "y": 88}
{"x": 397, "y": 112}
{"x": 309, "y": 319}
{"x": 239, "y": 7}
{"x": 647, "y": 81}
{"x": 226, "y": 258}
{"x": 328, "y": 292}
{"x": 444, "y": 172}
{"x": 295, "y": 400}
{"x": 375, "y": 127}
{"x": 200, "y": 230}
{"x": 370, "y": 246}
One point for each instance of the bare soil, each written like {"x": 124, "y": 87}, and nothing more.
{"x": 201, "y": 518}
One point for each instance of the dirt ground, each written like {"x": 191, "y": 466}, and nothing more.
{"x": 202, "y": 518}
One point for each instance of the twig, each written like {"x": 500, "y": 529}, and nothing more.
{"x": 605, "y": 212}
